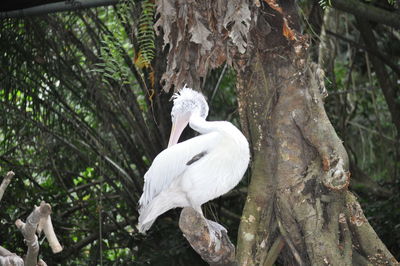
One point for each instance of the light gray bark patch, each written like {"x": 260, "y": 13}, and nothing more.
{"x": 196, "y": 157}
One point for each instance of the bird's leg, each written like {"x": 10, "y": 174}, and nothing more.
{"x": 215, "y": 230}
{"x": 199, "y": 210}
{"x": 212, "y": 226}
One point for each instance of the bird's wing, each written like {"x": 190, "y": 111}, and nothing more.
{"x": 173, "y": 162}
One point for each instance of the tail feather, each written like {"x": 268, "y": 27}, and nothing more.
{"x": 144, "y": 227}
{"x": 160, "y": 204}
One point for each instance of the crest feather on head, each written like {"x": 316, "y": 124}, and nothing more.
{"x": 189, "y": 98}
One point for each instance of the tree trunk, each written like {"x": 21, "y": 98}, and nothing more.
{"x": 300, "y": 174}
{"x": 297, "y": 202}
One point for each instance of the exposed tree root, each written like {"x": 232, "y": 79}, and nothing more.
{"x": 369, "y": 244}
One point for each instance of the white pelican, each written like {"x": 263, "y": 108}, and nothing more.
{"x": 197, "y": 170}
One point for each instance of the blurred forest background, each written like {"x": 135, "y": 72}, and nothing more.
{"x": 83, "y": 115}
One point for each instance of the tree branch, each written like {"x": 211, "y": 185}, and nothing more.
{"x": 39, "y": 219}
{"x": 211, "y": 244}
{"x": 55, "y": 7}
{"x": 383, "y": 57}
{"x": 290, "y": 244}
{"x": 107, "y": 228}
{"x": 362, "y": 183}
{"x": 28, "y": 230}
{"x": 274, "y": 251}
{"x": 46, "y": 225}
{"x": 4, "y": 184}
{"x": 370, "y": 12}
{"x": 10, "y": 259}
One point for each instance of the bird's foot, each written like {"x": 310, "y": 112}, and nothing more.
{"x": 216, "y": 227}
{"x": 216, "y": 231}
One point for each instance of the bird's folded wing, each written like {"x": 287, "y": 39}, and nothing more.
{"x": 171, "y": 163}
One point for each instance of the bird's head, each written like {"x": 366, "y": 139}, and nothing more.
{"x": 187, "y": 102}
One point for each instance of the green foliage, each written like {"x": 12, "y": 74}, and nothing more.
{"x": 67, "y": 90}
{"x": 79, "y": 130}
{"x": 146, "y": 34}
{"x": 80, "y": 133}
{"x": 325, "y": 3}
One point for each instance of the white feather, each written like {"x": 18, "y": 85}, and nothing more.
{"x": 171, "y": 163}
{"x": 171, "y": 182}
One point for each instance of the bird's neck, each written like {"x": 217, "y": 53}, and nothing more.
{"x": 199, "y": 124}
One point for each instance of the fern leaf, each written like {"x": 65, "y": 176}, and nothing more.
{"x": 146, "y": 35}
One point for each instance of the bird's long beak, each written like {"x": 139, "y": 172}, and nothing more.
{"x": 176, "y": 131}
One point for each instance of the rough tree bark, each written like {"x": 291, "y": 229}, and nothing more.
{"x": 213, "y": 246}
{"x": 298, "y": 204}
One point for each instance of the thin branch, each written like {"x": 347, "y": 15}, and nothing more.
{"x": 362, "y": 183}
{"x": 230, "y": 214}
{"x": 339, "y": 92}
{"x": 274, "y": 251}
{"x": 64, "y": 140}
{"x": 383, "y": 57}
{"x": 107, "y": 228}
{"x": 373, "y": 131}
{"x": 388, "y": 88}
{"x": 22, "y": 170}
{"x": 120, "y": 93}
{"x": 218, "y": 83}
{"x": 288, "y": 241}
{"x": 83, "y": 186}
